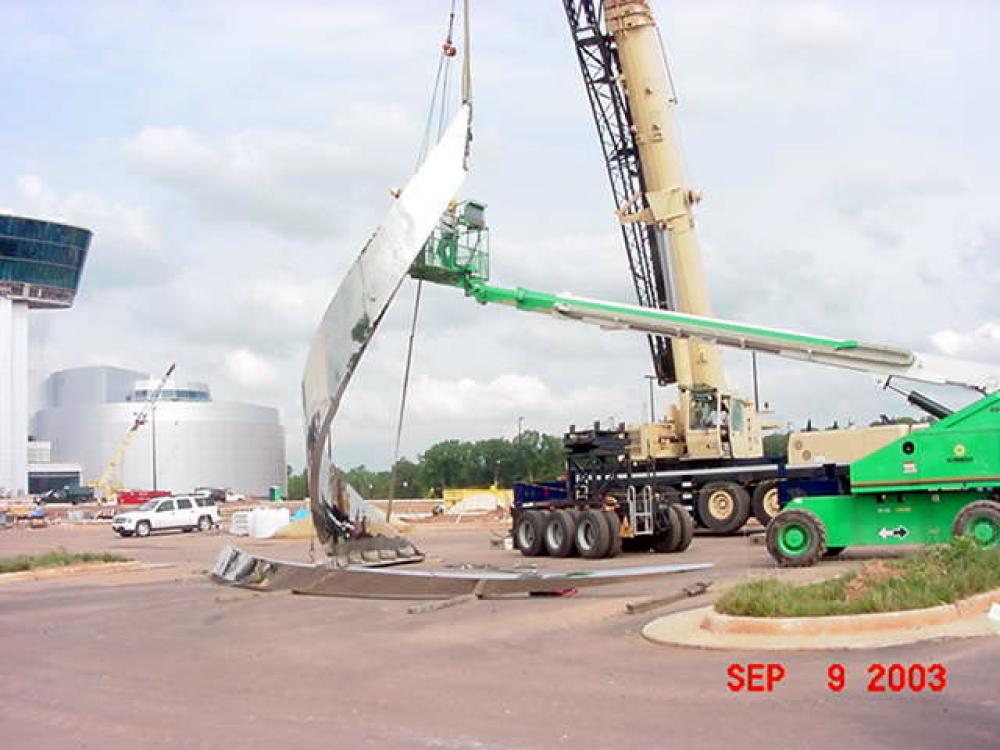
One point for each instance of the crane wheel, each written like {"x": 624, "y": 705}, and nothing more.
{"x": 764, "y": 502}
{"x": 529, "y": 533}
{"x": 614, "y": 533}
{"x": 560, "y": 533}
{"x": 796, "y": 538}
{"x": 723, "y": 507}
{"x": 981, "y": 521}
{"x": 593, "y": 537}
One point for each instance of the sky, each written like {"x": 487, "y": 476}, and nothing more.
{"x": 232, "y": 158}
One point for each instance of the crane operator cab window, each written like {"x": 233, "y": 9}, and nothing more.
{"x": 706, "y": 413}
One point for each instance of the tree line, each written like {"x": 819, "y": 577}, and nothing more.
{"x": 453, "y": 464}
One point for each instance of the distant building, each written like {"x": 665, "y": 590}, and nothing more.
{"x": 40, "y": 267}
{"x": 198, "y": 442}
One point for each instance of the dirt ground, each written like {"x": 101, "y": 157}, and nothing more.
{"x": 163, "y": 658}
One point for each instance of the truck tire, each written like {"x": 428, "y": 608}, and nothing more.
{"x": 678, "y": 537}
{"x": 593, "y": 538}
{"x": 560, "y": 534}
{"x": 764, "y": 502}
{"x": 796, "y": 538}
{"x": 204, "y": 523}
{"x": 142, "y": 528}
{"x": 614, "y": 533}
{"x": 529, "y": 534}
{"x": 686, "y": 525}
{"x": 723, "y": 507}
{"x": 981, "y": 521}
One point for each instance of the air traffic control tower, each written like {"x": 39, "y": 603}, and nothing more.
{"x": 40, "y": 267}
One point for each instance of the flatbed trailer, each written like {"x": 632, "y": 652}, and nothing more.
{"x": 601, "y": 477}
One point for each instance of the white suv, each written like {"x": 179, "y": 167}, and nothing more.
{"x": 184, "y": 512}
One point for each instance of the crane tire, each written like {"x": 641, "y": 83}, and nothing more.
{"x": 764, "y": 501}
{"x": 723, "y": 507}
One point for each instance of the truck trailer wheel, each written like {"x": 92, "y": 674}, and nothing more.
{"x": 678, "y": 536}
{"x": 560, "y": 533}
{"x": 723, "y": 507}
{"x": 764, "y": 502}
{"x": 981, "y": 521}
{"x": 614, "y": 533}
{"x": 796, "y": 538}
{"x": 593, "y": 538}
{"x": 529, "y": 534}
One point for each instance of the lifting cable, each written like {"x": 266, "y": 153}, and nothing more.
{"x": 438, "y": 103}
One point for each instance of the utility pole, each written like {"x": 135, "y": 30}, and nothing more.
{"x": 520, "y": 450}
{"x": 756, "y": 394}
{"x": 652, "y": 403}
{"x": 152, "y": 427}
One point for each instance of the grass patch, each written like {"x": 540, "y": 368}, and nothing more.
{"x": 935, "y": 575}
{"x": 55, "y": 559}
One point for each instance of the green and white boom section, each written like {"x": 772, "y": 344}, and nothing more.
{"x": 925, "y": 487}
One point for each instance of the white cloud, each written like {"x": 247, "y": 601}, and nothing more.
{"x": 250, "y": 370}
{"x": 982, "y": 342}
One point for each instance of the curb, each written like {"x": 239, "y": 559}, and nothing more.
{"x": 706, "y": 629}
{"x": 70, "y": 570}
{"x": 848, "y": 624}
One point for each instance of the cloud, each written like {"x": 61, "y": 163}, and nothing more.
{"x": 126, "y": 250}
{"x": 250, "y": 369}
{"x": 981, "y": 342}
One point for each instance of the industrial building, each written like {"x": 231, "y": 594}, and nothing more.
{"x": 189, "y": 441}
{"x": 40, "y": 267}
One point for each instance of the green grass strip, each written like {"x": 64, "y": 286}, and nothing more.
{"x": 932, "y": 576}
{"x": 55, "y": 559}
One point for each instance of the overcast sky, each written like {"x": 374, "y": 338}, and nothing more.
{"x": 232, "y": 157}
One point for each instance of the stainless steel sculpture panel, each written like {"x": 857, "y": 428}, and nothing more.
{"x": 362, "y": 299}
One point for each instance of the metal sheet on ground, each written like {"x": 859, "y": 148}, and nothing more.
{"x": 239, "y": 568}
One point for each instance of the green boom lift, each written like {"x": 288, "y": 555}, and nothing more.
{"x": 925, "y": 487}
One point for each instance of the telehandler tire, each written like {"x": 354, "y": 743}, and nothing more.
{"x": 593, "y": 538}
{"x": 560, "y": 534}
{"x": 796, "y": 538}
{"x": 981, "y": 521}
{"x": 529, "y": 534}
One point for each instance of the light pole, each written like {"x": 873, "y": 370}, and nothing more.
{"x": 152, "y": 427}
{"x": 652, "y": 403}
{"x": 756, "y": 393}
{"x": 520, "y": 451}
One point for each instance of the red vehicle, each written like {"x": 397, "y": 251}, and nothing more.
{"x": 138, "y": 497}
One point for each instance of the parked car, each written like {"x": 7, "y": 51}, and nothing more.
{"x": 219, "y": 495}
{"x": 183, "y": 512}
{"x": 71, "y": 493}
{"x": 138, "y": 497}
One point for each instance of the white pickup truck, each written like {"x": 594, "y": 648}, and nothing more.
{"x": 185, "y": 512}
